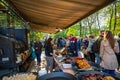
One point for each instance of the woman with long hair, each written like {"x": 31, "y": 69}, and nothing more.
{"x": 49, "y": 54}
{"x": 108, "y": 48}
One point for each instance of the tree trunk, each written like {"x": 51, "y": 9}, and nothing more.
{"x": 80, "y": 25}
{"x": 111, "y": 16}
{"x": 84, "y": 31}
{"x": 89, "y": 26}
{"x": 115, "y": 16}
{"x": 98, "y": 20}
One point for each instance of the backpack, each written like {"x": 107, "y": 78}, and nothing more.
{"x": 94, "y": 47}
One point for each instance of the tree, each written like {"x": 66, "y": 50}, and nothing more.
{"x": 111, "y": 16}
{"x": 97, "y": 18}
{"x": 115, "y": 18}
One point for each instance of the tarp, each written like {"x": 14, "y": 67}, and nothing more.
{"x": 47, "y": 15}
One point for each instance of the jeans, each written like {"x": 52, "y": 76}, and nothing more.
{"x": 97, "y": 58}
{"x": 38, "y": 57}
{"x": 111, "y": 72}
{"x": 92, "y": 57}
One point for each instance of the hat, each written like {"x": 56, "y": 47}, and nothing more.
{"x": 74, "y": 39}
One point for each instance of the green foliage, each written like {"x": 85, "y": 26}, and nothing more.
{"x": 109, "y": 10}
{"x": 73, "y": 30}
{"x": 3, "y": 19}
{"x": 61, "y": 34}
{"x": 34, "y": 35}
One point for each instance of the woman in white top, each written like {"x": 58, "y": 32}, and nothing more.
{"x": 108, "y": 48}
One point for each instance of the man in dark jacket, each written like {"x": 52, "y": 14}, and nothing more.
{"x": 98, "y": 43}
{"x": 118, "y": 55}
{"x": 38, "y": 50}
{"x": 73, "y": 46}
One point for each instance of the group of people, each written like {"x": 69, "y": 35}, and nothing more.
{"x": 71, "y": 43}
{"x": 104, "y": 50}
{"x": 37, "y": 47}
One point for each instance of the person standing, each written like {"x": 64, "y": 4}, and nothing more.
{"x": 33, "y": 55}
{"x": 89, "y": 51}
{"x": 68, "y": 44}
{"x": 85, "y": 42}
{"x": 100, "y": 38}
{"x": 49, "y": 54}
{"x": 118, "y": 55}
{"x": 96, "y": 47}
{"x": 109, "y": 46}
{"x": 38, "y": 49}
{"x": 73, "y": 46}
{"x": 79, "y": 43}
